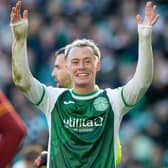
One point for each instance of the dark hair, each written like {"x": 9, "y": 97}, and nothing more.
{"x": 60, "y": 51}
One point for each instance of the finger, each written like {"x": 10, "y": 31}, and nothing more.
{"x": 148, "y": 9}
{"x": 19, "y": 9}
{"x": 154, "y": 9}
{"x": 13, "y": 10}
{"x": 12, "y": 13}
{"x": 14, "y": 18}
{"x": 155, "y": 20}
{"x": 11, "y": 18}
{"x": 153, "y": 12}
{"x": 25, "y": 14}
{"x": 139, "y": 19}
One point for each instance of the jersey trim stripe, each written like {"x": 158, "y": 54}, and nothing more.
{"x": 80, "y": 97}
{"x": 123, "y": 99}
{"x": 41, "y": 97}
{"x": 87, "y": 94}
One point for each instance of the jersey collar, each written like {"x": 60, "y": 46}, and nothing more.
{"x": 86, "y": 96}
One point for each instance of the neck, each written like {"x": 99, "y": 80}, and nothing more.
{"x": 83, "y": 89}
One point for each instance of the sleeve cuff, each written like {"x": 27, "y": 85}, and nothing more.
{"x": 144, "y": 30}
{"x": 143, "y": 26}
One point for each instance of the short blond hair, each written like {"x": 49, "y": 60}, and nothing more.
{"x": 83, "y": 43}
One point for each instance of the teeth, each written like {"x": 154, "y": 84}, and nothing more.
{"x": 82, "y": 75}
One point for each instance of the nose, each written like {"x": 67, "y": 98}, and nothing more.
{"x": 52, "y": 73}
{"x": 81, "y": 65}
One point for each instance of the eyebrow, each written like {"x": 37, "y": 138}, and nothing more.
{"x": 83, "y": 58}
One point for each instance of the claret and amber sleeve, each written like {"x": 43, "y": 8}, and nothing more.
{"x": 12, "y": 131}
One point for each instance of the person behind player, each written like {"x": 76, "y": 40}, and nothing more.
{"x": 12, "y": 131}
{"x": 83, "y": 121}
{"x": 62, "y": 76}
{"x": 60, "y": 72}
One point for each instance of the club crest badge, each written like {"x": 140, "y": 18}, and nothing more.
{"x": 101, "y": 104}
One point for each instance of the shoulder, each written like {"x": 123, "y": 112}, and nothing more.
{"x": 54, "y": 90}
{"x": 113, "y": 92}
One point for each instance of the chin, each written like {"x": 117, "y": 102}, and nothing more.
{"x": 82, "y": 81}
{"x": 82, "y": 84}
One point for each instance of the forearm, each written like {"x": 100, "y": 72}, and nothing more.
{"x": 21, "y": 73}
{"x": 20, "y": 69}
{"x": 143, "y": 76}
{"x": 144, "y": 71}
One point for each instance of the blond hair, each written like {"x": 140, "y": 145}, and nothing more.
{"x": 83, "y": 43}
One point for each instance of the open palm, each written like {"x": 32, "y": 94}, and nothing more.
{"x": 150, "y": 15}
{"x": 19, "y": 23}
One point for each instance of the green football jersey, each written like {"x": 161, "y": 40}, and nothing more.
{"x": 82, "y": 131}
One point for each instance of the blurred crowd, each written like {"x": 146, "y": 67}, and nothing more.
{"x": 112, "y": 24}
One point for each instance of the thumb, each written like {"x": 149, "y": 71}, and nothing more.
{"x": 25, "y": 14}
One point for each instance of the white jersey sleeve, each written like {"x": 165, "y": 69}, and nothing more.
{"x": 44, "y": 97}
{"x": 125, "y": 97}
{"x": 133, "y": 91}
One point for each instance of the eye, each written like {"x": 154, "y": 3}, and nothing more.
{"x": 56, "y": 67}
{"x": 74, "y": 62}
{"x": 88, "y": 61}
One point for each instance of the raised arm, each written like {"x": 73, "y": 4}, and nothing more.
{"x": 22, "y": 76}
{"x": 143, "y": 76}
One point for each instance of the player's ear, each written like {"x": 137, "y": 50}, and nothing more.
{"x": 67, "y": 67}
{"x": 98, "y": 66}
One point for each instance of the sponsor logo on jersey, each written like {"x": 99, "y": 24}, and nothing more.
{"x": 101, "y": 104}
{"x": 69, "y": 102}
{"x": 83, "y": 125}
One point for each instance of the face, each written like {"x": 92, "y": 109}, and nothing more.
{"x": 82, "y": 65}
{"x": 60, "y": 73}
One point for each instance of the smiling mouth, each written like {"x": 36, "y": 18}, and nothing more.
{"x": 83, "y": 75}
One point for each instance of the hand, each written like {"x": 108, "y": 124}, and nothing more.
{"x": 150, "y": 15}
{"x": 19, "y": 24}
{"x": 41, "y": 160}
{"x": 37, "y": 162}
